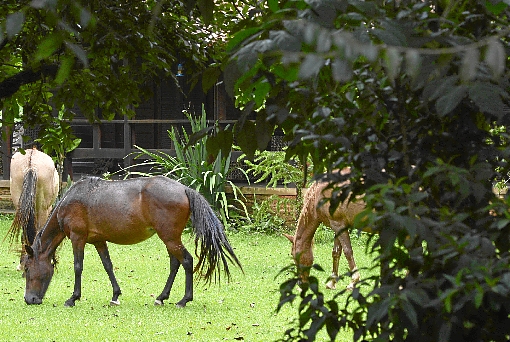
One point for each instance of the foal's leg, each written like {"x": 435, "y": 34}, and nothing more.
{"x": 187, "y": 264}
{"x": 102, "y": 250}
{"x": 336, "y": 254}
{"x": 78, "y": 251}
{"x": 345, "y": 240}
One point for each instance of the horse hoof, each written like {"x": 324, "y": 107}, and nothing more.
{"x": 115, "y": 302}
{"x": 180, "y": 305}
{"x": 351, "y": 286}
{"x": 69, "y": 304}
{"x": 158, "y": 302}
{"x": 331, "y": 285}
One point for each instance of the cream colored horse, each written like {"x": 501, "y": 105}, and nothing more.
{"x": 34, "y": 186}
{"x": 314, "y": 213}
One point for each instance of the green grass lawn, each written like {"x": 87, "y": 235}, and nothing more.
{"x": 243, "y": 309}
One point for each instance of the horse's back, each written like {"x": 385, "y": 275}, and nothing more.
{"x": 318, "y": 196}
{"x": 111, "y": 210}
{"x": 47, "y": 176}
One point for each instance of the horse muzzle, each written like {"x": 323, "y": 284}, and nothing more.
{"x": 30, "y": 300}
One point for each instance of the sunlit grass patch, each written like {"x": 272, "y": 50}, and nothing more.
{"x": 242, "y": 309}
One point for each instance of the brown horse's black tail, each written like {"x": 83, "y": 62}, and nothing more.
{"x": 214, "y": 246}
{"x": 24, "y": 219}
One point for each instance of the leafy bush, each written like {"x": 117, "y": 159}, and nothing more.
{"x": 405, "y": 93}
{"x": 263, "y": 218}
{"x": 274, "y": 168}
{"x": 192, "y": 166}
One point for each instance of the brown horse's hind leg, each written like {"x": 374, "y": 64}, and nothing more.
{"x": 187, "y": 264}
{"x": 102, "y": 250}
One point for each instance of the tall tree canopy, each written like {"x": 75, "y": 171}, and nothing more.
{"x": 96, "y": 54}
{"x": 407, "y": 94}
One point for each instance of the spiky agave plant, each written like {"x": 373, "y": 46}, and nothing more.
{"x": 192, "y": 166}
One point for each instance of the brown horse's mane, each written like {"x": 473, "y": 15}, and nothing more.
{"x": 37, "y": 246}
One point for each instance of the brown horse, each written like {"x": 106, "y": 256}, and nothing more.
{"x": 316, "y": 211}
{"x": 127, "y": 212}
{"x": 34, "y": 185}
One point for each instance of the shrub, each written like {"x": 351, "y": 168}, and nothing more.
{"x": 193, "y": 167}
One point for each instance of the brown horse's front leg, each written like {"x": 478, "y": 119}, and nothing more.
{"x": 102, "y": 250}
{"x": 78, "y": 252}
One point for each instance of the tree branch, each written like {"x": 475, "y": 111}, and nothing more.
{"x": 10, "y": 85}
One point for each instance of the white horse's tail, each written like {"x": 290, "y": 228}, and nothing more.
{"x": 24, "y": 219}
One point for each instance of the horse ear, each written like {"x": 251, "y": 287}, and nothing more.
{"x": 290, "y": 237}
{"x": 29, "y": 250}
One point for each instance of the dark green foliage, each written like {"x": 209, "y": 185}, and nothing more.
{"x": 406, "y": 94}
{"x": 99, "y": 54}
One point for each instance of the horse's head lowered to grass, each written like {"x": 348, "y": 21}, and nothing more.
{"x": 39, "y": 269}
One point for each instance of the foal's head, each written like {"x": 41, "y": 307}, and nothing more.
{"x": 39, "y": 268}
{"x": 302, "y": 258}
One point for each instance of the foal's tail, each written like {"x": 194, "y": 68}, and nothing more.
{"x": 24, "y": 219}
{"x": 214, "y": 246}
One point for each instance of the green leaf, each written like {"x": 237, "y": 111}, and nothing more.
{"x": 264, "y": 131}
{"x": 210, "y": 77}
{"x": 410, "y": 312}
{"x": 260, "y": 91}
{"x": 495, "y": 57}
{"x": 246, "y": 136}
{"x": 64, "y": 71}
{"x": 48, "y": 46}
{"x": 341, "y": 70}
{"x": 221, "y": 142}
{"x": 469, "y": 67}
{"x": 392, "y": 61}
{"x": 14, "y": 24}
{"x": 479, "y": 293}
{"x": 497, "y": 7}
{"x": 273, "y": 5}
{"x": 413, "y": 61}
{"x": 447, "y": 103}
{"x": 487, "y": 97}
{"x": 310, "y": 66}
{"x": 240, "y": 36}
{"x": 79, "y": 52}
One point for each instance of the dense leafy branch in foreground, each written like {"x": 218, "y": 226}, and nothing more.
{"x": 97, "y": 56}
{"x": 405, "y": 93}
